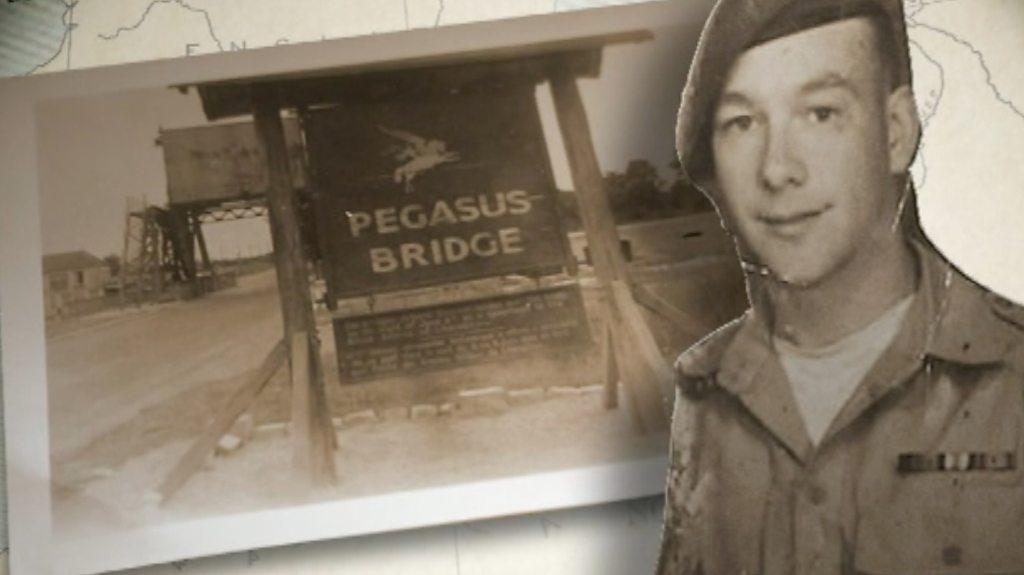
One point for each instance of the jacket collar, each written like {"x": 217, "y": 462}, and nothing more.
{"x": 951, "y": 318}
{"x": 962, "y": 326}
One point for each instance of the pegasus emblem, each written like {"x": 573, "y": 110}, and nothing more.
{"x": 419, "y": 155}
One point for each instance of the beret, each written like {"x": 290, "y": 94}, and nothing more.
{"x": 737, "y": 25}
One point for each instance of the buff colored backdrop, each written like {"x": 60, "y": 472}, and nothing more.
{"x": 970, "y": 171}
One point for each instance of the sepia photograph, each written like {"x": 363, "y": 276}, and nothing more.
{"x": 307, "y": 286}
{"x": 764, "y": 258}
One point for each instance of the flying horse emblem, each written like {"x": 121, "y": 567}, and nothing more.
{"x": 419, "y": 155}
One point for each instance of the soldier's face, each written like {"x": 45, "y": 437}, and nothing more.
{"x": 803, "y": 164}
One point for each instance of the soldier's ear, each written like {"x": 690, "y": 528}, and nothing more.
{"x": 904, "y": 129}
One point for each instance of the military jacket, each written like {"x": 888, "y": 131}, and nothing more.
{"x": 920, "y": 472}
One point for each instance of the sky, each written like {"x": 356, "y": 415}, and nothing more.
{"x": 96, "y": 152}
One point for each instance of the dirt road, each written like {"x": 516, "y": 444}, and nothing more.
{"x": 130, "y": 390}
{"x": 107, "y": 369}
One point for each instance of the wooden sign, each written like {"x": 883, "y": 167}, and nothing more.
{"x": 219, "y": 163}
{"x": 493, "y": 329}
{"x": 431, "y": 188}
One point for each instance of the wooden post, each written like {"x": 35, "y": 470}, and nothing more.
{"x": 644, "y": 379}
{"x": 602, "y": 235}
{"x": 656, "y": 381}
{"x": 302, "y": 404}
{"x": 243, "y": 397}
{"x": 313, "y": 450}
{"x": 611, "y": 377}
{"x": 320, "y": 218}
{"x": 682, "y": 321}
{"x": 572, "y": 267}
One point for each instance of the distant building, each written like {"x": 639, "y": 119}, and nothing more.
{"x": 72, "y": 282}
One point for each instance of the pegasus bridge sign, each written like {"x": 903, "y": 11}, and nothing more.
{"x": 425, "y": 176}
{"x": 424, "y": 192}
{"x": 440, "y": 188}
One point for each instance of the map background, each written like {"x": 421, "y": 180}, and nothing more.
{"x": 969, "y": 85}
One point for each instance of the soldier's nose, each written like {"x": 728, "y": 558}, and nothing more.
{"x": 781, "y": 166}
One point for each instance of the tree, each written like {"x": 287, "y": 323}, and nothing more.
{"x": 638, "y": 193}
{"x": 685, "y": 196}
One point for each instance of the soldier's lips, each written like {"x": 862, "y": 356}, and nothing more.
{"x": 791, "y": 224}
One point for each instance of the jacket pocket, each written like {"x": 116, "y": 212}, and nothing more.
{"x": 948, "y": 522}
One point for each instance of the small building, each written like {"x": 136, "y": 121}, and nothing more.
{"x": 73, "y": 282}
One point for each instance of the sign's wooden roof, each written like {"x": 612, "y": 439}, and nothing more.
{"x": 467, "y": 70}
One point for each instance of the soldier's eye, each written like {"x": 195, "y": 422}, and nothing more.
{"x": 740, "y": 123}
{"x": 822, "y": 114}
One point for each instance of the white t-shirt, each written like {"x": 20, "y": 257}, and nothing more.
{"x": 824, "y": 378}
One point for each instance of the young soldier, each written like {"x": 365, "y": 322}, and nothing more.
{"x": 866, "y": 414}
